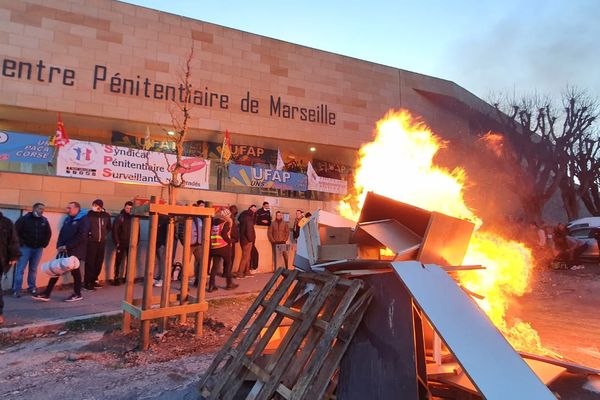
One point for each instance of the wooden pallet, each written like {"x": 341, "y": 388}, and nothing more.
{"x": 318, "y": 313}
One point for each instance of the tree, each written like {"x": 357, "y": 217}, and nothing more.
{"x": 536, "y": 143}
{"x": 180, "y": 113}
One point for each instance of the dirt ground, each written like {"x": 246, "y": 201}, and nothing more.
{"x": 564, "y": 307}
{"x": 97, "y": 361}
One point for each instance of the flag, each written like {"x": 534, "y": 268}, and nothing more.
{"x": 226, "y": 148}
{"x": 61, "y": 137}
{"x": 148, "y": 143}
{"x": 280, "y": 163}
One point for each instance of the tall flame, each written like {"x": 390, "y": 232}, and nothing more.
{"x": 398, "y": 164}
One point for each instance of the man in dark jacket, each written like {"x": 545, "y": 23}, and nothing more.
{"x": 34, "y": 235}
{"x": 9, "y": 252}
{"x": 72, "y": 240}
{"x": 247, "y": 239}
{"x": 121, "y": 232}
{"x": 234, "y": 234}
{"x": 100, "y": 226}
{"x": 263, "y": 215}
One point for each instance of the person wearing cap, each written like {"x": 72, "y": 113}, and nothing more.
{"x": 100, "y": 226}
{"x": 121, "y": 232}
{"x": 220, "y": 246}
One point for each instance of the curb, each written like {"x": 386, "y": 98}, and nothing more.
{"x": 41, "y": 327}
{"x": 56, "y": 324}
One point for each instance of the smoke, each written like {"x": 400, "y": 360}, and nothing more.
{"x": 532, "y": 46}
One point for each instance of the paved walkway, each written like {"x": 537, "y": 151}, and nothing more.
{"x": 24, "y": 311}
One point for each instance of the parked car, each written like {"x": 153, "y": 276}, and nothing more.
{"x": 587, "y": 229}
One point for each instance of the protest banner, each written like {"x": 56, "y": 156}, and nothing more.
{"x": 265, "y": 178}
{"x": 91, "y": 160}
{"x": 24, "y": 148}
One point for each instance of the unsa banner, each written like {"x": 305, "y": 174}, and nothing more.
{"x": 89, "y": 160}
{"x": 243, "y": 175}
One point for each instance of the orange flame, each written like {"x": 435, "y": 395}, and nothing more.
{"x": 398, "y": 164}
{"x": 494, "y": 142}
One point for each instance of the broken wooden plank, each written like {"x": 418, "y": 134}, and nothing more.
{"x": 570, "y": 366}
{"x": 470, "y": 335}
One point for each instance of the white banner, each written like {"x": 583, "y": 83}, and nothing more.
{"x": 322, "y": 184}
{"x": 89, "y": 160}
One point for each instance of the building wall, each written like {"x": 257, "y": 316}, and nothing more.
{"x": 85, "y": 36}
{"x": 132, "y": 41}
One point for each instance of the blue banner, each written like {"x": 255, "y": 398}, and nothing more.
{"x": 243, "y": 175}
{"x": 24, "y": 148}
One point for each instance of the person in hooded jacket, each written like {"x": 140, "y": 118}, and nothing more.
{"x": 72, "y": 240}
{"x": 34, "y": 235}
{"x": 121, "y": 232}
{"x": 9, "y": 252}
{"x": 100, "y": 226}
{"x": 220, "y": 246}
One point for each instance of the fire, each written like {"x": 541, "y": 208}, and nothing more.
{"x": 403, "y": 149}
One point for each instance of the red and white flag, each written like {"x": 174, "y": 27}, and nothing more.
{"x": 61, "y": 137}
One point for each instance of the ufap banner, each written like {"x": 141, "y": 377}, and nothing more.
{"x": 24, "y": 148}
{"x": 89, "y": 160}
{"x": 244, "y": 155}
{"x": 243, "y": 175}
{"x": 323, "y": 184}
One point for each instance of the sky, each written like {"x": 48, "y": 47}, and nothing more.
{"x": 488, "y": 47}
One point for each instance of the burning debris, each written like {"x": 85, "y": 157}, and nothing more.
{"x": 427, "y": 270}
{"x": 413, "y": 146}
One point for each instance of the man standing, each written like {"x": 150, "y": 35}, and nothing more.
{"x": 220, "y": 243}
{"x": 196, "y": 242}
{"x": 72, "y": 240}
{"x": 296, "y": 228}
{"x": 121, "y": 231}
{"x": 161, "y": 249}
{"x": 279, "y": 233}
{"x": 263, "y": 216}
{"x": 34, "y": 235}
{"x": 9, "y": 252}
{"x": 234, "y": 234}
{"x": 100, "y": 226}
{"x": 247, "y": 239}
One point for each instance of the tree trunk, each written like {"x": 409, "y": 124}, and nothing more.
{"x": 172, "y": 192}
{"x": 533, "y": 207}
{"x": 568, "y": 194}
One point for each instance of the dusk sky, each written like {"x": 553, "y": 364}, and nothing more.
{"x": 486, "y": 47}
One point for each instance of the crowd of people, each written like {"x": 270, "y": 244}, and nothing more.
{"x": 84, "y": 235}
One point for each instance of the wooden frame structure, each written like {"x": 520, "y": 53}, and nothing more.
{"x": 168, "y": 304}
{"x": 308, "y": 320}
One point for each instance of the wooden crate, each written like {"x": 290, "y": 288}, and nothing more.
{"x": 325, "y": 311}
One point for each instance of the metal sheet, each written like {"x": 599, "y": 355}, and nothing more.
{"x": 308, "y": 244}
{"x": 391, "y": 234}
{"x": 494, "y": 367}
{"x": 446, "y": 240}
{"x": 377, "y": 208}
{"x": 334, "y": 220}
{"x": 380, "y": 361}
